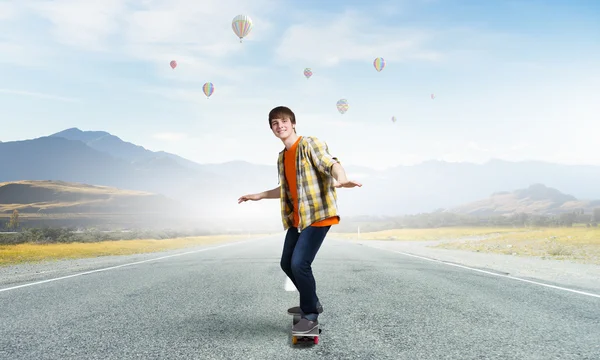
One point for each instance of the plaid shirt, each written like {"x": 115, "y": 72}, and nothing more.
{"x": 317, "y": 199}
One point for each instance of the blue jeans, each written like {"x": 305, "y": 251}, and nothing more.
{"x": 299, "y": 251}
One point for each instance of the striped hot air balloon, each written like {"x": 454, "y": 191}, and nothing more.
{"x": 208, "y": 88}
{"x": 241, "y": 25}
{"x": 307, "y": 73}
{"x": 173, "y": 64}
{"x": 342, "y": 106}
{"x": 379, "y": 64}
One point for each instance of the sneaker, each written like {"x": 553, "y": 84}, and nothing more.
{"x": 305, "y": 326}
{"x": 296, "y": 310}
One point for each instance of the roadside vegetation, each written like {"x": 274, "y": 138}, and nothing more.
{"x": 50, "y": 235}
{"x": 31, "y": 252}
{"x": 573, "y": 236}
{"x": 578, "y": 243}
{"x": 28, "y": 245}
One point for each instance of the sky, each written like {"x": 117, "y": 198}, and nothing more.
{"x": 513, "y": 80}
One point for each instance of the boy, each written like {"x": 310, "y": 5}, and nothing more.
{"x": 308, "y": 207}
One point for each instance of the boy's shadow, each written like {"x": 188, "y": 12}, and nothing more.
{"x": 250, "y": 327}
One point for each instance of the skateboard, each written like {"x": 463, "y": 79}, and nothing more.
{"x": 314, "y": 333}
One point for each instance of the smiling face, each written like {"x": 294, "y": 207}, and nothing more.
{"x": 282, "y": 128}
{"x": 283, "y": 122}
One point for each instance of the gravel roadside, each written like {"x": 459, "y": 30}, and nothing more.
{"x": 577, "y": 276}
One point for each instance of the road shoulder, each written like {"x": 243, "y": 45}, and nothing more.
{"x": 577, "y": 276}
{"x": 12, "y": 275}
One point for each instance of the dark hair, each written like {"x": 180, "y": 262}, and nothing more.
{"x": 281, "y": 112}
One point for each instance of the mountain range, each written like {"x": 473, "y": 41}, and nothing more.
{"x": 211, "y": 190}
{"x": 59, "y": 197}
{"x": 537, "y": 199}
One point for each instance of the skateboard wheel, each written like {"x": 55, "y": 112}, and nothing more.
{"x": 316, "y": 340}
{"x": 294, "y": 340}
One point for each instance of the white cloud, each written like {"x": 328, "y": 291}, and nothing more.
{"x": 153, "y": 30}
{"x": 202, "y": 26}
{"x": 352, "y": 36}
{"x": 191, "y": 67}
{"x": 8, "y": 10}
{"x": 38, "y": 95}
{"x": 198, "y": 35}
{"x": 22, "y": 54}
{"x": 85, "y": 24}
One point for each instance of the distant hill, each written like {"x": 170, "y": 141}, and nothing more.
{"x": 211, "y": 190}
{"x": 113, "y": 145}
{"x": 60, "y": 159}
{"x": 536, "y": 199}
{"x": 59, "y": 197}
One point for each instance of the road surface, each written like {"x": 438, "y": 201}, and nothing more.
{"x": 229, "y": 302}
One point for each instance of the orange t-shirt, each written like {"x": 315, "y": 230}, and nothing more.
{"x": 289, "y": 165}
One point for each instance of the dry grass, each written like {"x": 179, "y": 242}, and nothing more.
{"x": 62, "y": 186}
{"x": 95, "y": 215}
{"x": 578, "y": 244}
{"x": 429, "y": 234}
{"x": 26, "y": 253}
{"x": 44, "y": 206}
{"x": 90, "y": 195}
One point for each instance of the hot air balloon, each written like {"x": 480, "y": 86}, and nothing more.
{"x": 173, "y": 64}
{"x": 432, "y": 96}
{"x": 307, "y": 73}
{"x": 208, "y": 89}
{"x": 393, "y": 119}
{"x": 342, "y": 106}
{"x": 241, "y": 25}
{"x": 379, "y": 64}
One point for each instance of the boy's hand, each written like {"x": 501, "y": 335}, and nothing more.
{"x": 347, "y": 184}
{"x": 253, "y": 197}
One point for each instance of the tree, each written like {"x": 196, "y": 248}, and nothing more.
{"x": 13, "y": 223}
{"x": 596, "y": 215}
{"x": 567, "y": 219}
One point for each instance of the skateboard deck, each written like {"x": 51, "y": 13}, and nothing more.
{"x": 312, "y": 335}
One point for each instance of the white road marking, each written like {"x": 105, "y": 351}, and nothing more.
{"x": 491, "y": 273}
{"x": 289, "y": 285}
{"x": 124, "y": 265}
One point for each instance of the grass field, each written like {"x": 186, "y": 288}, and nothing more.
{"x": 579, "y": 244}
{"x": 428, "y": 234}
{"x": 28, "y": 253}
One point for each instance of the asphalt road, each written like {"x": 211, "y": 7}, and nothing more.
{"x": 229, "y": 302}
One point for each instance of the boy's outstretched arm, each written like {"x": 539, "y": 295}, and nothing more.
{"x": 269, "y": 194}
{"x": 329, "y": 165}
{"x": 338, "y": 173}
